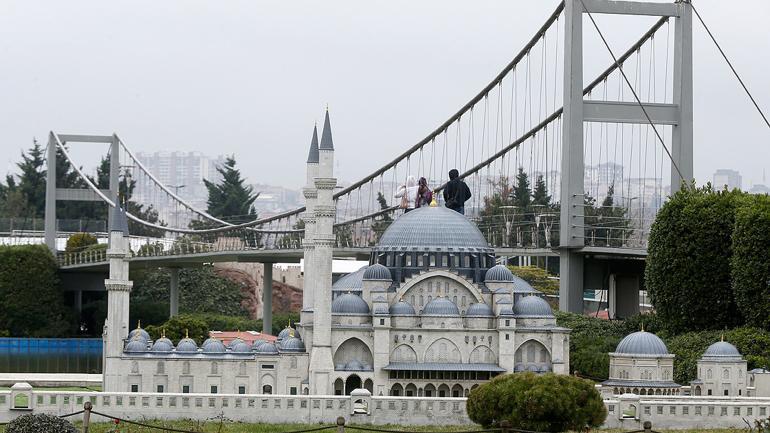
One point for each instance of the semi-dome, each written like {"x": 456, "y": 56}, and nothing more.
{"x": 350, "y": 282}
{"x": 377, "y": 272}
{"x": 186, "y": 345}
{"x": 532, "y": 306}
{"x": 722, "y": 349}
{"x": 641, "y": 343}
{"x": 522, "y": 287}
{"x": 267, "y": 349}
{"x": 140, "y": 332}
{"x": 292, "y": 344}
{"x": 440, "y": 306}
{"x": 137, "y": 344}
{"x": 162, "y": 344}
{"x": 479, "y": 309}
{"x": 431, "y": 228}
{"x": 348, "y": 303}
{"x": 240, "y": 347}
{"x": 498, "y": 273}
{"x": 214, "y": 346}
{"x": 402, "y": 308}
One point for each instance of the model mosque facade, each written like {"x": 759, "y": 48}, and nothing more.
{"x": 431, "y": 316}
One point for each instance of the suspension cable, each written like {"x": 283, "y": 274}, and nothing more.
{"x": 721, "y": 51}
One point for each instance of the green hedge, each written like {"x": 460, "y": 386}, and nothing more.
{"x": 79, "y": 242}
{"x": 688, "y": 262}
{"x": 31, "y": 302}
{"x": 750, "y": 264}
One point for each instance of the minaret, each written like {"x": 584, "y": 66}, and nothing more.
{"x": 118, "y": 289}
{"x": 310, "y": 193}
{"x": 321, "y": 365}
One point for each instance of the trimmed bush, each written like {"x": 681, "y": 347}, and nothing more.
{"x": 31, "y": 303}
{"x": 79, "y": 242}
{"x": 537, "y": 278}
{"x": 40, "y": 423}
{"x": 750, "y": 264}
{"x": 688, "y": 263}
{"x": 546, "y": 403}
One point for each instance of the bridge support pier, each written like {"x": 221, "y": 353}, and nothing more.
{"x": 267, "y": 298}
{"x": 173, "y": 293}
{"x": 623, "y": 296}
{"x": 571, "y": 281}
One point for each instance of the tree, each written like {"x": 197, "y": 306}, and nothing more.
{"x": 540, "y": 195}
{"x": 607, "y": 225}
{"x": 549, "y": 402}
{"x": 521, "y": 193}
{"x": 31, "y": 302}
{"x": 750, "y": 263}
{"x": 32, "y": 180}
{"x": 231, "y": 198}
{"x": 382, "y": 222}
{"x": 538, "y": 278}
{"x": 688, "y": 263}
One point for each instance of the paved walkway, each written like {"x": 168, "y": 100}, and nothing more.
{"x": 51, "y": 379}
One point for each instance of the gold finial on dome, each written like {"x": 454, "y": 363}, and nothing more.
{"x": 163, "y": 332}
{"x": 139, "y": 324}
{"x": 291, "y": 332}
{"x": 723, "y": 336}
{"x": 186, "y": 333}
{"x": 642, "y": 326}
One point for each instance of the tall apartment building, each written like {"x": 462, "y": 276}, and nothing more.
{"x": 729, "y": 178}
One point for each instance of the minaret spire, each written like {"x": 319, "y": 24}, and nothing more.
{"x": 326, "y": 134}
{"x": 312, "y": 156}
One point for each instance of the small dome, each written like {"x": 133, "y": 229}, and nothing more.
{"x": 258, "y": 343}
{"x": 140, "y": 332}
{"x": 348, "y": 303}
{"x": 208, "y": 341}
{"x": 532, "y": 306}
{"x": 186, "y": 345}
{"x": 214, "y": 346}
{"x": 292, "y": 344}
{"x": 240, "y": 347}
{"x": 402, "y": 308}
{"x": 377, "y": 272}
{"x": 137, "y": 344}
{"x": 350, "y": 282}
{"x": 162, "y": 344}
{"x": 267, "y": 349}
{"x": 641, "y": 343}
{"x": 234, "y": 341}
{"x": 479, "y": 309}
{"x": 440, "y": 306}
{"x": 722, "y": 349}
{"x": 498, "y": 273}
{"x": 285, "y": 332}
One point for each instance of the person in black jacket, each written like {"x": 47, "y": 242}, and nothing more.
{"x": 456, "y": 192}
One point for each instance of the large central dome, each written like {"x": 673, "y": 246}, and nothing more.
{"x": 433, "y": 228}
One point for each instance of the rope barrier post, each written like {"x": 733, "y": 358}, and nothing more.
{"x": 505, "y": 426}
{"x": 340, "y": 424}
{"x": 86, "y": 415}
{"x": 647, "y": 427}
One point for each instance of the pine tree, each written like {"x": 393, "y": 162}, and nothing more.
{"x": 522, "y": 194}
{"x": 540, "y": 194}
{"x": 230, "y": 198}
{"x": 31, "y": 183}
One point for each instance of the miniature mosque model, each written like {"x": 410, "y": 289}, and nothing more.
{"x": 431, "y": 315}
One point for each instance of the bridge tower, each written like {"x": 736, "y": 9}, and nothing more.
{"x": 118, "y": 291}
{"x": 54, "y": 194}
{"x": 577, "y": 111}
{"x": 325, "y": 210}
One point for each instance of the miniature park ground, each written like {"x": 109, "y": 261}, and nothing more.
{"x": 217, "y": 427}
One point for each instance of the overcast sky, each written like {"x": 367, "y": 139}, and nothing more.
{"x": 250, "y": 77}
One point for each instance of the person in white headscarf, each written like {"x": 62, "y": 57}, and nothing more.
{"x": 407, "y": 193}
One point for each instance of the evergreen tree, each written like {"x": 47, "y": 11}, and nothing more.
{"x": 32, "y": 180}
{"x": 540, "y": 194}
{"x": 522, "y": 194}
{"x": 231, "y": 198}
{"x": 607, "y": 225}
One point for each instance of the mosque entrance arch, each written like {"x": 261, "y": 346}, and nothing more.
{"x": 533, "y": 356}
{"x": 351, "y": 383}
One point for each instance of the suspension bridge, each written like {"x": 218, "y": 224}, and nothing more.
{"x": 606, "y": 151}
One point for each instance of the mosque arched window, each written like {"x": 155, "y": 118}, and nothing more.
{"x": 462, "y": 301}
{"x": 420, "y": 260}
{"x": 709, "y": 374}
{"x": 433, "y": 260}
{"x": 408, "y": 260}
{"x": 467, "y": 261}
{"x": 444, "y": 260}
{"x": 726, "y": 374}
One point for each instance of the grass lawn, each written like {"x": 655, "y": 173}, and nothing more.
{"x": 215, "y": 427}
